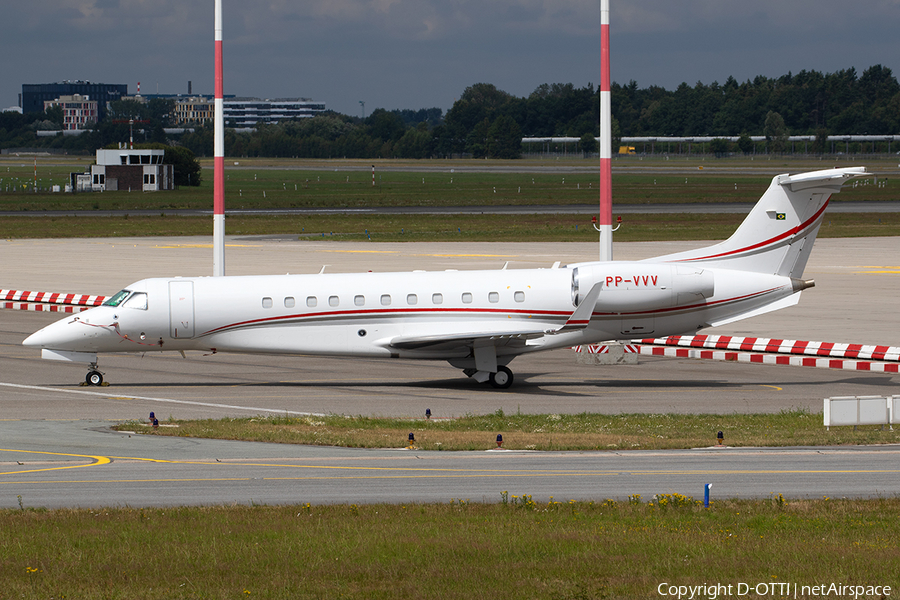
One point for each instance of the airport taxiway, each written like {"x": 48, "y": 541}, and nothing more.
{"x": 44, "y": 410}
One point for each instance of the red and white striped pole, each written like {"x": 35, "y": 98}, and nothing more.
{"x": 605, "y": 218}
{"x": 219, "y": 158}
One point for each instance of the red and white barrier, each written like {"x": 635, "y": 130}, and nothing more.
{"x": 776, "y": 346}
{"x": 772, "y": 359}
{"x": 52, "y": 298}
{"x": 603, "y": 349}
{"x": 823, "y": 355}
{"x": 48, "y": 301}
{"x": 43, "y": 307}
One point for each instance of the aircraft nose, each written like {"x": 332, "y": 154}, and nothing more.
{"x": 68, "y": 334}
{"x": 51, "y": 336}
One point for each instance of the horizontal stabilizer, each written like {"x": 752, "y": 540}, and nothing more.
{"x": 785, "y": 302}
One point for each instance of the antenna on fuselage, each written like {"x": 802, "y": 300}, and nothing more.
{"x": 219, "y": 156}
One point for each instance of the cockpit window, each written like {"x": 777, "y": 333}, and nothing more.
{"x": 137, "y": 300}
{"x": 117, "y": 299}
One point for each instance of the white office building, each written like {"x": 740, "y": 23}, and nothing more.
{"x": 249, "y": 112}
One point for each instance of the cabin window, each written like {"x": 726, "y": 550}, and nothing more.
{"x": 437, "y": 298}
{"x": 493, "y": 297}
{"x": 385, "y": 299}
{"x": 519, "y": 296}
{"x": 137, "y": 300}
{"x": 333, "y": 301}
{"x": 267, "y": 302}
{"x": 289, "y": 302}
{"x": 412, "y": 299}
{"x": 467, "y": 298}
{"x": 359, "y": 300}
{"x": 311, "y": 301}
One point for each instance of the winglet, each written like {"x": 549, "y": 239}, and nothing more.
{"x": 582, "y": 315}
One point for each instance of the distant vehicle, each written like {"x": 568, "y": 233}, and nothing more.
{"x": 626, "y": 149}
{"x": 478, "y": 321}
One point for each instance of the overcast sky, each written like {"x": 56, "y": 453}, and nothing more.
{"x": 424, "y": 53}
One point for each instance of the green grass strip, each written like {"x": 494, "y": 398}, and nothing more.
{"x": 586, "y": 431}
{"x": 431, "y": 228}
{"x": 510, "y": 547}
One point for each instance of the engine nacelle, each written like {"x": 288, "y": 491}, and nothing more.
{"x": 639, "y": 286}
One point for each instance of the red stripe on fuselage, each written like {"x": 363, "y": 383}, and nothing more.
{"x": 388, "y": 313}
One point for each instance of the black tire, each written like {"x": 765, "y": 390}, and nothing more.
{"x": 94, "y": 378}
{"x": 502, "y": 379}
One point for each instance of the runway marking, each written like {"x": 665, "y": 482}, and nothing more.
{"x": 167, "y": 400}
{"x": 98, "y": 460}
{"x": 470, "y": 255}
{"x": 438, "y": 474}
{"x": 772, "y": 386}
{"x": 429, "y": 472}
{"x": 396, "y": 252}
{"x": 360, "y": 251}
{"x": 205, "y": 246}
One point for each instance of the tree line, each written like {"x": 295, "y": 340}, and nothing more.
{"x": 488, "y": 122}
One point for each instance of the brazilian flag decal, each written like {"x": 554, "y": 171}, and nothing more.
{"x": 780, "y": 216}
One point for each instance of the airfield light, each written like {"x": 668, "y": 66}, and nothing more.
{"x": 427, "y": 413}
{"x": 720, "y": 438}
{"x": 499, "y": 440}
{"x": 706, "y": 489}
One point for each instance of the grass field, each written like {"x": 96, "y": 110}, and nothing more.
{"x": 285, "y": 184}
{"x": 257, "y": 184}
{"x": 513, "y": 548}
{"x": 434, "y": 228}
{"x": 533, "y": 432}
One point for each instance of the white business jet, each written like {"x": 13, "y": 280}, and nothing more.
{"x": 477, "y": 320}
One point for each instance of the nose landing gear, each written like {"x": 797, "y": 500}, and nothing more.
{"x": 94, "y": 377}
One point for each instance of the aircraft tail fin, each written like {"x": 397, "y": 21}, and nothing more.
{"x": 778, "y": 234}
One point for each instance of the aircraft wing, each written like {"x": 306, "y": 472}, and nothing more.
{"x": 513, "y": 337}
{"x": 469, "y": 339}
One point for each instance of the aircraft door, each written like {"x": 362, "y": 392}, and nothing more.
{"x": 181, "y": 309}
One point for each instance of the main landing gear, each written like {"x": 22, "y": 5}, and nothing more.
{"x": 500, "y": 380}
{"x": 94, "y": 377}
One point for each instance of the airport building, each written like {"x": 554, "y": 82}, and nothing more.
{"x": 79, "y": 112}
{"x": 250, "y": 112}
{"x": 127, "y": 170}
{"x": 196, "y": 110}
{"x": 34, "y": 95}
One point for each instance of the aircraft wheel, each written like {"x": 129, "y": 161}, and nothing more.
{"x": 502, "y": 379}
{"x": 94, "y": 378}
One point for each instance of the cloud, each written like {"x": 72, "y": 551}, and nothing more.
{"x": 413, "y": 53}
